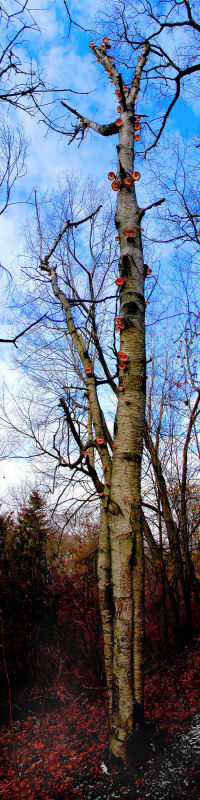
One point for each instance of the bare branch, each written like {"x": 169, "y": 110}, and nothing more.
{"x": 14, "y": 340}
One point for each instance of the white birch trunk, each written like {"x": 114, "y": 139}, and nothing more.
{"x": 127, "y": 559}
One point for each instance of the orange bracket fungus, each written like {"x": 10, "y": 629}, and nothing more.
{"x": 135, "y": 175}
{"x": 121, "y": 389}
{"x": 92, "y": 44}
{"x": 89, "y": 371}
{"x": 120, "y": 281}
{"x": 122, "y": 356}
{"x": 100, "y": 441}
{"x": 137, "y": 126}
{"x": 119, "y": 323}
{"x": 146, "y": 302}
{"x": 117, "y": 238}
{"x": 129, "y": 232}
{"x": 127, "y": 400}
{"x": 85, "y": 453}
{"x": 106, "y": 40}
{"x": 119, "y": 109}
{"x": 114, "y": 446}
{"x": 116, "y": 185}
{"x": 111, "y": 176}
{"x": 128, "y": 182}
{"x": 137, "y": 137}
{"x": 149, "y": 271}
{"x": 138, "y": 117}
{"x": 118, "y": 123}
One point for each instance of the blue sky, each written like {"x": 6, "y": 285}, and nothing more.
{"x": 70, "y": 64}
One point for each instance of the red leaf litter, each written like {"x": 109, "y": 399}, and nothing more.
{"x": 51, "y": 755}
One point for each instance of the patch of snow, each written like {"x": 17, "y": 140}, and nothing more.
{"x": 104, "y": 768}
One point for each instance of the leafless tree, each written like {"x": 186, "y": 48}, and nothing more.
{"x": 13, "y": 153}
{"x": 82, "y": 437}
{"x": 21, "y": 82}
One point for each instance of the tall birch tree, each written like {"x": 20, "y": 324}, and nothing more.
{"x": 120, "y": 557}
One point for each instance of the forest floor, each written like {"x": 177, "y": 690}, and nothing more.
{"x": 59, "y": 745}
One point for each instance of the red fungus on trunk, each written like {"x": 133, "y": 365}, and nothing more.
{"x": 116, "y": 185}
{"x": 135, "y": 176}
{"x": 128, "y": 182}
{"x": 120, "y": 281}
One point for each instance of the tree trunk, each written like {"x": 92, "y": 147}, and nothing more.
{"x": 124, "y": 510}
{"x": 106, "y": 602}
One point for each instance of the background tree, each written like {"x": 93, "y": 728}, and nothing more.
{"x": 21, "y": 83}
{"x": 23, "y": 565}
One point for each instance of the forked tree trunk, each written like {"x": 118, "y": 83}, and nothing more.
{"x": 123, "y": 505}
{"x": 121, "y": 555}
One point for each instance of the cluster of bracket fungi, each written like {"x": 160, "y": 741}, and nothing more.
{"x": 117, "y": 182}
